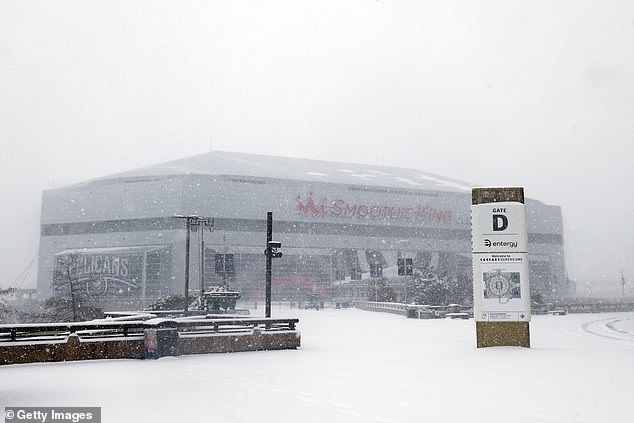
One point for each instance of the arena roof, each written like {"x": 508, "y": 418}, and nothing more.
{"x": 262, "y": 166}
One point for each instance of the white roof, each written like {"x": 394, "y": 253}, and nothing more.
{"x": 261, "y": 166}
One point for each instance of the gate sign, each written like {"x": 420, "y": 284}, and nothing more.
{"x": 499, "y": 227}
{"x": 500, "y": 262}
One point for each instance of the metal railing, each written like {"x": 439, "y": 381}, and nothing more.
{"x": 395, "y": 308}
{"x": 58, "y": 331}
{"x": 416, "y": 310}
{"x": 606, "y": 306}
{"x": 42, "y": 332}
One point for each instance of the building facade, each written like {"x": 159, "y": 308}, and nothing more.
{"x": 339, "y": 224}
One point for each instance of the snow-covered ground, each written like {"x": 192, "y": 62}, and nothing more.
{"x": 357, "y": 366}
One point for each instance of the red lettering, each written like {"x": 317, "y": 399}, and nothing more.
{"x": 406, "y": 214}
{"x": 341, "y": 208}
{"x": 350, "y": 210}
{"x": 337, "y": 208}
{"x": 311, "y": 207}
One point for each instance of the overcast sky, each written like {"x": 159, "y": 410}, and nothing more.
{"x": 537, "y": 94}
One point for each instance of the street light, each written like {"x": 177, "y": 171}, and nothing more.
{"x": 193, "y": 221}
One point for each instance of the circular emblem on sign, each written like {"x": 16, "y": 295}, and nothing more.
{"x": 96, "y": 286}
{"x": 499, "y": 285}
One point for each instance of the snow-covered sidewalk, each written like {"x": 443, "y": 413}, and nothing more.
{"x": 358, "y": 366}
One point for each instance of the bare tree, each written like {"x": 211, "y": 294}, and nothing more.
{"x": 70, "y": 292}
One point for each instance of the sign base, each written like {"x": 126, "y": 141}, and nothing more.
{"x": 503, "y": 334}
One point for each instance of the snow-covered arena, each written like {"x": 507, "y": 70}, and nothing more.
{"x": 339, "y": 224}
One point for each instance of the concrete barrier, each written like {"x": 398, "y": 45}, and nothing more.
{"x": 158, "y": 339}
{"x": 258, "y": 340}
{"x": 73, "y": 348}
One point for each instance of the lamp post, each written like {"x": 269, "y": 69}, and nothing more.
{"x": 209, "y": 224}
{"x": 193, "y": 221}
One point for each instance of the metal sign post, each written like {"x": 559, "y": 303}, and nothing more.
{"x": 501, "y": 292}
{"x": 270, "y": 252}
{"x": 269, "y": 238}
